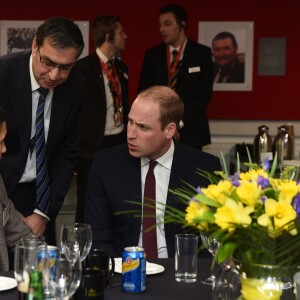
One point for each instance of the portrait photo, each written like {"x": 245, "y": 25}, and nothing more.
{"x": 232, "y": 53}
{"x": 18, "y": 35}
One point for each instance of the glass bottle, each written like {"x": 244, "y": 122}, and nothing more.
{"x": 262, "y": 145}
{"x": 283, "y": 145}
{"x": 36, "y": 290}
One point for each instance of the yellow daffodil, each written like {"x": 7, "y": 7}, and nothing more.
{"x": 233, "y": 213}
{"x": 249, "y": 192}
{"x": 194, "y": 210}
{"x": 252, "y": 175}
{"x": 281, "y": 212}
{"x": 218, "y": 192}
{"x": 287, "y": 189}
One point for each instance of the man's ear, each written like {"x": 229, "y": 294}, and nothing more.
{"x": 170, "y": 130}
{"x": 34, "y": 45}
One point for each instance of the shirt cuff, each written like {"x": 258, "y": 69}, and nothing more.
{"x": 41, "y": 214}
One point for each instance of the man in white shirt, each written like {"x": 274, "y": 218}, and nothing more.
{"x": 119, "y": 174}
{"x": 106, "y": 107}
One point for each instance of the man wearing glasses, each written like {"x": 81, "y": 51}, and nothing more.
{"x": 43, "y": 124}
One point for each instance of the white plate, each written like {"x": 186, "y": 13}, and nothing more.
{"x": 7, "y": 283}
{"x": 151, "y": 269}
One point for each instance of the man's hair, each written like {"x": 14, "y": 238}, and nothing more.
{"x": 224, "y": 35}
{"x": 62, "y": 33}
{"x": 2, "y": 116}
{"x": 101, "y": 26}
{"x": 170, "y": 105}
{"x": 178, "y": 11}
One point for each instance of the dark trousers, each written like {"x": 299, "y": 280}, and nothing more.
{"x": 83, "y": 168}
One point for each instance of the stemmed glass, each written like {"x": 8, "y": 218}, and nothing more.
{"x": 211, "y": 245}
{"x": 76, "y": 241}
{"x": 66, "y": 278}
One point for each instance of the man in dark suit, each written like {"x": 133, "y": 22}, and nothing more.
{"x": 188, "y": 70}
{"x": 106, "y": 106}
{"x": 12, "y": 224}
{"x": 227, "y": 66}
{"x": 119, "y": 174}
{"x": 57, "y": 45}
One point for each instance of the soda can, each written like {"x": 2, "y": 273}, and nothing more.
{"x": 133, "y": 270}
{"x": 53, "y": 254}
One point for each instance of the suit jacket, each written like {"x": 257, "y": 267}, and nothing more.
{"x": 94, "y": 112}
{"x": 194, "y": 86}
{"x": 12, "y": 227}
{"x": 115, "y": 176}
{"x": 63, "y": 136}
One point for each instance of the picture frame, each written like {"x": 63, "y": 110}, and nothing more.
{"x": 17, "y": 35}
{"x": 237, "y": 75}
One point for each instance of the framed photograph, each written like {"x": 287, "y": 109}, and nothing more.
{"x": 17, "y": 35}
{"x": 232, "y": 52}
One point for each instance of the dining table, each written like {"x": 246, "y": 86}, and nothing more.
{"x": 162, "y": 286}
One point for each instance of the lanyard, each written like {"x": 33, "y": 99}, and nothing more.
{"x": 174, "y": 66}
{"x": 114, "y": 82}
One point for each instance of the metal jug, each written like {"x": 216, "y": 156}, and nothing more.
{"x": 283, "y": 145}
{"x": 262, "y": 145}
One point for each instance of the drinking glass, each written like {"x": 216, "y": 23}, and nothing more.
{"x": 211, "y": 245}
{"x": 66, "y": 278}
{"x": 76, "y": 241}
{"x": 30, "y": 254}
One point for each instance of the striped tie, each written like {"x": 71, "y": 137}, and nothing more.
{"x": 42, "y": 178}
{"x": 173, "y": 79}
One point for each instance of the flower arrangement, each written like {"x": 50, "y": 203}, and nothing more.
{"x": 252, "y": 214}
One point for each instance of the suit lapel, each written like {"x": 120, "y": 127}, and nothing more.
{"x": 185, "y": 60}
{"x": 21, "y": 100}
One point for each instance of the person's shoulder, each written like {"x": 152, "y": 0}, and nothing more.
{"x": 185, "y": 149}
{"x": 157, "y": 48}
{"x": 118, "y": 152}
{"x": 120, "y": 63}
{"x": 86, "y": 61}
{"x": 15, "y": 58}
{"x": 199, "y": 47}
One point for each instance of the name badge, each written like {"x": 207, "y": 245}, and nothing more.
{"x": 194, "y": 69}
{"x": 125, "y": 75}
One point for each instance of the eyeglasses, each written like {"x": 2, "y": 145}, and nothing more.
{"x": 50, "y": 65}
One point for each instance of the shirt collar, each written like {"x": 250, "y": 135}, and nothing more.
{"x": 165, "y": 160}
{"x": 102, "y": 56}
{"x": 34, "y": 84}
{"x": 172, "y": 48}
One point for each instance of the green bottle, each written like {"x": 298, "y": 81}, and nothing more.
{"x": 36, "y": 290}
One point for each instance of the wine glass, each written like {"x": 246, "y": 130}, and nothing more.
{"x": 211, "y": 244}
{"x": 66, "y": 278}
{"x": 76, "y": 241}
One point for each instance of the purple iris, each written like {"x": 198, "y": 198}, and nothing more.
{"x": 263, "y": 182}
{"x": 263, "y": 199}
{"x": 199, "y": 190}
{"x": 267, "y": 163}
{"x": 235, "y": 182}
{"x": 296, "y": 204}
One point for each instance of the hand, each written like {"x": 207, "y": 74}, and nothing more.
{"x": 37, "y": 223}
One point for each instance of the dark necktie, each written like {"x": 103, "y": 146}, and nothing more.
{"x": 174, "y": 77}
{"x": 149, "y": 238}
{"x": 42, "y": 178}
{"x": 111, "y": 67}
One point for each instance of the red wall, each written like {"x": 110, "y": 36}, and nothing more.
{"x": 271, "y": 97}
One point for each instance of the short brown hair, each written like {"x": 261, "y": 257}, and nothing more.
{"x": 101, "y": 26}
{"x": 170, "y": 105}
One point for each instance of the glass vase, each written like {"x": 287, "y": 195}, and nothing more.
{"x": 266, "y": 282}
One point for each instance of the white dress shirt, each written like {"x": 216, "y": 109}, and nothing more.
{"x": 162, "y": 173}
{"x": 110, "y": 127}
{"x": 29, "y": 174}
